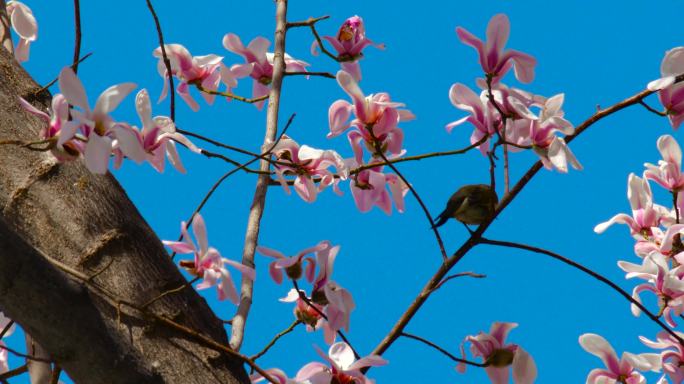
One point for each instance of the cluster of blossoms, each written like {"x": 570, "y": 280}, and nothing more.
{"x": 328, "y": 307}
{"x": 207, "y": 72}
{"x": 518, "y": 118}
{"x": 671, "y": 94}
{"x": 96, "y": 136}
{"x": 657, "y": 232}
{"x": 24, "y": 24}
{"x": 207, "y": 262}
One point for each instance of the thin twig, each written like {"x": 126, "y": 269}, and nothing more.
{"x": 443, "y": 351}
{"x": 166, "y": 60}
{"x": 73, "y": 65}
{"x": 14, "y": 372}
{"x": 275, "y": 339}
{"x": 440, "y": 243}
{"x": 589, "y": 272}
{"x": 6, "y": 329}
{"x": 230, "y": 95}
{"x": 25, "y": 356}
{"x": 77, "y": 34}
{"x": 304, "y": 73}
{"x": 306, "y": 23}
{"x": 171, "y": 291}
{"x": 454, "y": 276}
{"x": 56, "y": 372}
{"x": 651, "y": 109}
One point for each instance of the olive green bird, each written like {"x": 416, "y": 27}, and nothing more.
{"x": 471, "y": 204}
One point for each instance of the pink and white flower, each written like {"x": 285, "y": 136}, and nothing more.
{"x": 372, "y": 187}
{"x": 202, "y": 70}
{"x": 494, "y": 60}
{"x": 349, "y": 43}
{"x": 293, "y": 265}
{"x": 625, "y": 370}
{"x": 668, "y": 172}
{"x": 158, "y": 136}
{"x": 342, "y": 366}
{"x": 100, "y": 131}
{"x": 24, "y": 24}
{"x": 672, "y": 356}
{"x": 276, "y": 374}
{"x": 208, "y": 262}
{"x": 498, "y": 356}
{"x": 259, "y": 63}
{"x": 58, "y": 130}
{"x": 376, "y": 119}
{"x": 306, "y": 163}
{"x": 671, "y": 95}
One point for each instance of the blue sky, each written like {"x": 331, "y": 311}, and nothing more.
{"x": 596, "y": 54}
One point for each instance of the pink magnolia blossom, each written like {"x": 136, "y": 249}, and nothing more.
{"x": 369, "y": 189}
{"x": 102, "y": 133}
{"x": 626, "y": 370}
{"x": 499, "y": 356}
{"x": 493, "y": 59}
{"x": 258, "y": 63}
{"x": 308, "y": 163}
{"x": 377, "y": 119}
{"x": 202, "y": 70}
{"x": 293, "y": 264}
{"x": 349, "y": 43}
{"x": 668, "y": 286}
{"x": 208, "y": 262}
{"x": 645, "y": 214}
{"x": 671, "y": 95}
{"x": 480, "y": 116}
{"x": 342, "y": 367}
{"x": 24, "y": 24}
{"x": 58, "y": 130}
{"x": 158, "y": 136}
{"x": 668, "y": 172}
{"x": 672, "y": 356}
{"x": 340, "y": 305}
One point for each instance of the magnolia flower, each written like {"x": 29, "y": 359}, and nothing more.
{"x": 293, "y": 264}
{"x": 24, "y": 24}
{"x": 208, "y": 262}
{"x": 480, "y": 116}
{"x": 671, "y": 95}
{"x": 668, "y": 287}
{"x": 259, "y": 63}
{"x": 306, "y": 163}
{"x": 672, "y": 358}
{"x": 668, "y": 172}
{"x": 58, "y": 130}
{"x": 493, "y": 59}
{"x": 626, "y": 370}
{"x": 305, "y": 311}
{"x": 158, "y": 136}
{"x": 368, "y": 189}
{"x": 498, "y": 356}
{"x": 349, "y": 43}
{"x": 645, "y": 214}
{"x": 343, "y": 366}
{"x": 197, "y": 70}
{"x": 376, "y": 122}
{"x": 96, "y": 126}
{"x": 338, "y": 310}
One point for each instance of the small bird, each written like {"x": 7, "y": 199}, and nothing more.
{"x": 471, "y": 204}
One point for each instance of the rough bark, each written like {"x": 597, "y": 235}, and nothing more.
{"x": 61, "y": 212}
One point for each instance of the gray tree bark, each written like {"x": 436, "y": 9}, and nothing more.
{"x": 60, "y": 214}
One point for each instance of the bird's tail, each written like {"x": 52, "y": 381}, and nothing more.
{"x": 440, "y": 220}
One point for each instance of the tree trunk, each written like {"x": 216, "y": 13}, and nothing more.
{"x": 60, "y": 214}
